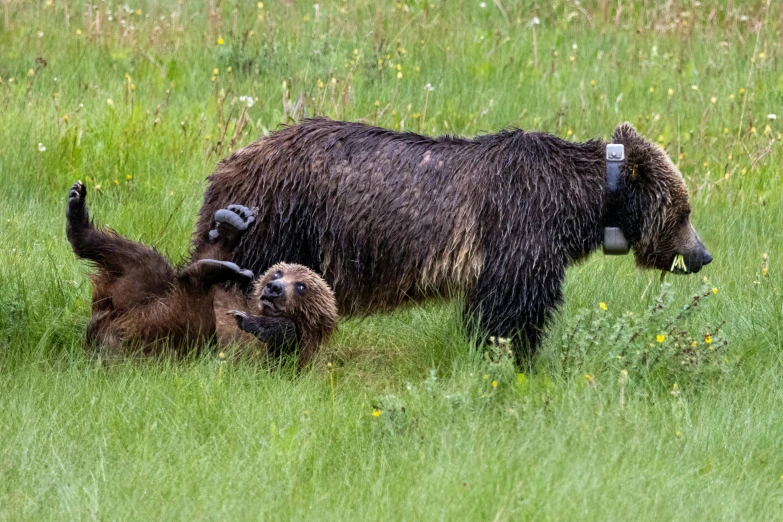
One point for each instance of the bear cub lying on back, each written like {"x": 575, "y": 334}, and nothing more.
{"x": 141, "y": 303}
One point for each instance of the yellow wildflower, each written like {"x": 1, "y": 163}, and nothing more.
{"x": 671, "y": 92}
{"x": 742, "y": 90}
{"x": 399, "y": 75}
{"x": 220, "y": 41}
{"x": 603, "y": 306}
{"x": 376, "y": 413}
{"x": 215, "y": 71}
{"x": 660, "y": 338}
{"x": 589, "y": 378}
{"x": 708, "y": 339}
{"x": 714, "y": 291}
{"x": 486, "y": 376}
{"x": 494, "y": 384}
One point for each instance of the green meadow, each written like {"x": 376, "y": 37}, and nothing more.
{"x": 649, "y": 400}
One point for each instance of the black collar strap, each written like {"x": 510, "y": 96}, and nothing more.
{"x": 615, "y": 243}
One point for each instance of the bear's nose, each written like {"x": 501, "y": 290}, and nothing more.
{"x": 273, "y": 289}
{"x": 707, "y": 258}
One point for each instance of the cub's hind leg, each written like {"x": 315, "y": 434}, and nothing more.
{"x": 113, "y": 255}
{"x": 228, "y": 226}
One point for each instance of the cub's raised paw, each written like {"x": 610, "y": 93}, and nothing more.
{"x": 246, "y": 216}
{"x": 76, "y": 198}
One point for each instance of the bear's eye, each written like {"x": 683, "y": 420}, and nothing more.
{"x": 277, "y": 275}
{"x": 300, "y": 288}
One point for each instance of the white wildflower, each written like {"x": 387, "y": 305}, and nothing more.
{"x": 41, "y": 147}
{"x": 247, "y": 100}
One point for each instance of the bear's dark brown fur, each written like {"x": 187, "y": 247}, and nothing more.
{"x": 143, "y": 304}
{"x": 389, "y": 217}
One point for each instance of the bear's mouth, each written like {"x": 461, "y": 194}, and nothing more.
{"x": 269, "y": 306}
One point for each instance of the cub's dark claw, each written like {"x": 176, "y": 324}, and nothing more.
{"x": 230, "y": 223}
{"x": 212, "y": 271}
{"x": 238, "y": 216}
{"x": 76, "y": 197}
{"x": 245, "y": 321}
{"x": 240, "y": 276}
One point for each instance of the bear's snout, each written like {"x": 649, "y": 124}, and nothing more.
{"x": 273, "y": 289}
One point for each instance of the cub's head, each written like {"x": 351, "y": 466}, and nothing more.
{"x": 297, "y": 293}
{"x": 654, "y": 208}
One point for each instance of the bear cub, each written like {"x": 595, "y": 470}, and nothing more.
{"x": 142, "y": 304}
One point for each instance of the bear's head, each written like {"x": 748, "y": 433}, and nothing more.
{"x": 299, "y": 294}
{"x": 654, "y": 210}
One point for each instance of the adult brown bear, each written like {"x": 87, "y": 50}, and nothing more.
{"x": 389, "y": 217}
{"x": 141, "y": 303}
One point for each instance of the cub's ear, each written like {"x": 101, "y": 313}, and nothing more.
{"x": 625, "y": 133}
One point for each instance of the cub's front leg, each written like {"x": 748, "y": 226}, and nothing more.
{"x": 278, "y": 333}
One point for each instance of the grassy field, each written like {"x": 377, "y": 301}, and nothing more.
{"x": 638, "y": 406}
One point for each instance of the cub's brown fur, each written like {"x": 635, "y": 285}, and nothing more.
{"x": 143, "y": 304}
{"x": 391, "y": 217}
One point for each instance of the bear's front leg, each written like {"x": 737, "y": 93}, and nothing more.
{"x": 278, "y": 333}
{"x": 514, "y": 306}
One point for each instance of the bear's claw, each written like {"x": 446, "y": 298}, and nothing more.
{"x": 238, "y": 216}
{"x": 76, "y": 198}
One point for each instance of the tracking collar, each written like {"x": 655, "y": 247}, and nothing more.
{"x": 615, "y": 243}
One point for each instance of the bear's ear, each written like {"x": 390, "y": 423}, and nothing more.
{"x": 625, "y": 133}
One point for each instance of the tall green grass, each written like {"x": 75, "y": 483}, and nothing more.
{"x": 409, "y": 421}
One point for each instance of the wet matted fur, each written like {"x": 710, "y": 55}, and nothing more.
{"x": 390, "y": 217}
